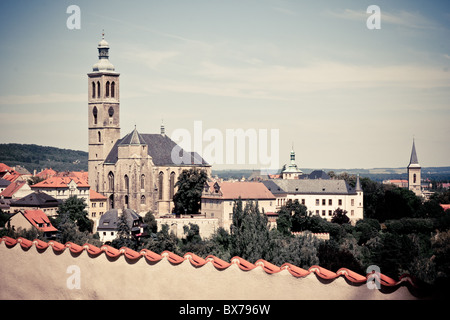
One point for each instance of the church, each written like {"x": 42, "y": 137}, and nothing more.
{"x": 136, "y": 171}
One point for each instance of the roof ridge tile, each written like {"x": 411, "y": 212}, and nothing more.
{"x": 198, "y": 261}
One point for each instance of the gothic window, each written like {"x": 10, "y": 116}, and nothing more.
{"x": 414, "y": 178}
{"x": 113, "y": 87}
{"x": 107, "y": 89}
{"x": 172, "y": 184}
{"x": 111, "y": 181}
{"x": 111, "y": 201}
{"x": 127, "y": 184}
{"x": 93, "y": 89}
{"x": 160, "y": 185}
{"x": 94, "y": 112}
{"x": 126, "y": 202}
{"x": 142, "y": 181}
{"x": 111, "y": 112}
{"x": 142, "y": 199}
{"x": 98, "y": 89}
{"x": 99, "y": 137}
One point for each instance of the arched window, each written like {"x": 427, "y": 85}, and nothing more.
{"x": 172, "y": 184}
{"x": 160, "y": 185}
{"x": 111, "y": 181}
{"x": 93, "y": 89}
{"x": 142, "y": 199}
{"x": 94, "y": 113}
{"x": 113, "y": 89}
{"x": 127, "y": 184}
{"x": 414, "y": 178}
{"x": 99, "y": 137}
{"x": 111, "y": 201}
{"x": 98, "y": 89}
{"x": 142, "y": 181}
{"x": 107, "y": 89}
{"x": 111, "y": 112}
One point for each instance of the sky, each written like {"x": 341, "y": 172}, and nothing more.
{"x": 341, "y": 94}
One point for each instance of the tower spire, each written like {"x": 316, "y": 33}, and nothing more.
{"x": 413, "y": 160}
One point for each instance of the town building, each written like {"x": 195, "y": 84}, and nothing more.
{"x": 97, "y": 207}
{"x": 291, "y": 171}
{"x": 62, "y": 188}
{"x": 36, "y": 201}
{"x": 218, "y": 200}
{"x": 321, "y": 196}
{"x": 138, "y": 171}
{"x": 109, "y": 222}
{"x": 414, "y": 173}
{"x": 16, "y": 190}
{"x": 28, "y": 219}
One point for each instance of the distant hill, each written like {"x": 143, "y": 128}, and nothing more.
{"x": 376, "y": 174}
{"x": 34, "y": 157}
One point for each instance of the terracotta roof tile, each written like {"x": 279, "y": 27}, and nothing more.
{"x": 197, "y": 261}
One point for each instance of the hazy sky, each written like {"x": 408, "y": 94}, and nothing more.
{"x": 344, "y": 95}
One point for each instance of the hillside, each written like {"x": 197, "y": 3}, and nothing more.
{"x": 34, "y": 157}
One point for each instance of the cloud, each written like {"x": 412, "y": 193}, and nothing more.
{"x": 42, "y": 98}
{"x": 151, "y": 58}
{"x": 285, "y": 11}
{"x": 402, "y": 18}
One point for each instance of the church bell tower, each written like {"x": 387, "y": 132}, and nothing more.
{"x": 103, "y": 109}
{"x": 414, "y": 171}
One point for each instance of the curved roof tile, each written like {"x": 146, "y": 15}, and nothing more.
{"x": 197, "y": 261}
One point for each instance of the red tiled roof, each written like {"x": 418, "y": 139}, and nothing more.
{"x": 444, "y": 206}
{"x": 60, "y": 182}
{"x": 37, "y": 218}
{"x": 351, "y": 276}
{"x": 245, "y": 190}
{"x": 12, "y": 189}
{"x": 46, "y": 173}
{"x": 5, "y": 168}
{"x": 12, "y": 176}
{"x": 94, "y": 195}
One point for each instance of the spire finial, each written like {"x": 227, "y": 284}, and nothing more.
{"x": 103, "y": 34}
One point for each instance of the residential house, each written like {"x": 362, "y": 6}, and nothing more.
{"x": 63, "y": 188}
{"x": 218, "y": 199}
{"x": 34, "y": 201}
{"x": 97, "y": 207}
{"x": 16, "y": 190}
{"x": 28, "y": 219}
{"x": 108, "y": 224}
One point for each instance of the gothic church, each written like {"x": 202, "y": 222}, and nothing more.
{"x": 137, "y": 171}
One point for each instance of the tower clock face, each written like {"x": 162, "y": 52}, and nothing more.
{"x": 111, "y": 111}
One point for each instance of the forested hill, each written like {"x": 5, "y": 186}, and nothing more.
{"x": 34, "y": 157}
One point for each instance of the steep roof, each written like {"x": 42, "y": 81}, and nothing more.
{"x": 309, "y": 186}
{"x": 12, "y": 189}
{"x": 413, "y": 162}
{"x": 109, "y": 220}
{"x": 94, "y": 195}
{"x": 39, "y": 220}
{"x": 159, "y": 148}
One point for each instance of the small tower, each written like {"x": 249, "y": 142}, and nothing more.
{"x": 414, "y": 171}
{"x": 103, "y": 116}
{"x": 292, "y": 171}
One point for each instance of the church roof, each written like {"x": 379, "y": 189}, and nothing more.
{"x": 159, "y": 148}
{"x": 414, "y": 162}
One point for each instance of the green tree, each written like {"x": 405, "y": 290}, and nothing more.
{"x": 340, "y": 216}
{"x": 250, "y": 237}
{"x": 150, "y": 220}
{"x": 190, "y": 185}
{"x": 75, "y": 207}
{"x": 124, "y": 237}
